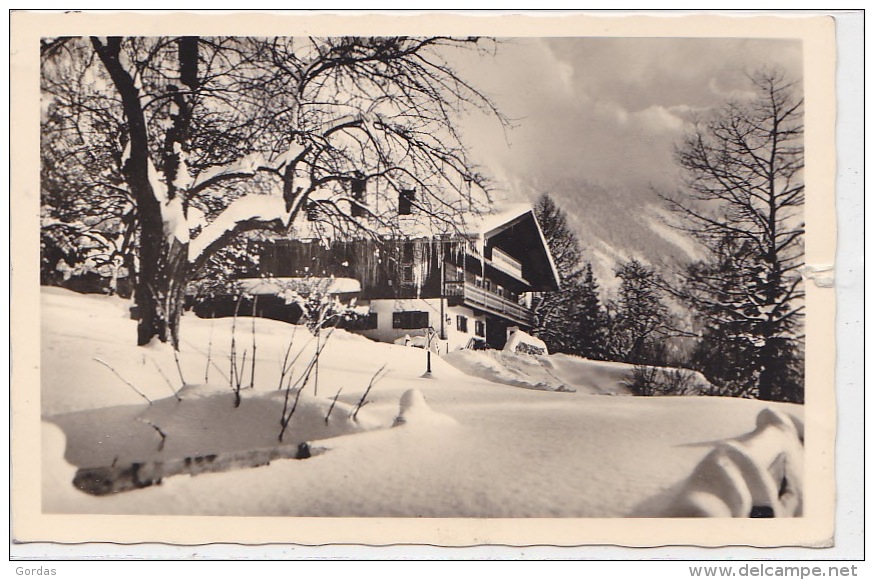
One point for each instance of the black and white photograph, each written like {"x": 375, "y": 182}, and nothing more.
{"x": 437, "y": 275}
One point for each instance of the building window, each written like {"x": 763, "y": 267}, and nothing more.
{"x": 407, "y": 274}
{"x": 406, "y": 198}
{"x": 453, "y": 273}
{"x": 499, "y": 290}
{"x": 408, "y": 251}
{"x": 367, "y": 321}
{"x": 313, "y": 211}
{"x": 407, "y": 262}
{"x": 478, "y": 281}
{"x": 409, "y": 319}
{"x": 461, "y": 323}
{"x": 358, "y": 195}
{"x": 479, "y": 327}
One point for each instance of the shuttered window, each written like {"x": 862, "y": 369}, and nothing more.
{"x": 406, "y": 198}
{"x": 409, "y": 319}
{"x": 358, "y": 194}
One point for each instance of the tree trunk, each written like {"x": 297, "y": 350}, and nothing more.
{"x": 770, "y": 364}
{"x": 160, "y": 290}
{"x": 164, "y": 269}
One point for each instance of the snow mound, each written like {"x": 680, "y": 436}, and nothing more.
{"x": 414, "y": 410}
{"x": 522, "y": 342}
{"x": 57, "y": 473}
{"x": 205, "y": 420}
{"x": 58, "y": 495}
{"x": 757, "y": 475}
{"x": 509, "y": 368}
{"x": 555, "y": 372}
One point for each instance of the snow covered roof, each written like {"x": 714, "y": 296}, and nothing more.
{"x": 275, "y": 286}
{"x": 486, "y": 224}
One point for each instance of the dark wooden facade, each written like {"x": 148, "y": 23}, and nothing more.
{"x": 421, "y": 268}
{"x": 488, "y": 273}
{"x": 386, "y": 268}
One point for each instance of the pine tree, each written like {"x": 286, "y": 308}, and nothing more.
{"x": 556, "y": 313}
{"x": 639, "y": 317}
{"x": 591, "y": 318}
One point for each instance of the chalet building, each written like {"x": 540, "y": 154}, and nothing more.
{"x": 469, "y": 287}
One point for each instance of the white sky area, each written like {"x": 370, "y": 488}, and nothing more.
{"x": 599, "y": 116}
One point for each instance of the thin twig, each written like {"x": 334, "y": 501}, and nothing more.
{"x": 209, "y": 352}
{"x": 301, "y": 382}
{"x": 285, "y": 403}
{"x": 331, "y": 408}
{"x": 125, "y": 381}
{"x": 166, "y": 380}
{"x": 239, "y": 377}
{"x": 285, "y": 366}
{"x": 287, "y": 420}
{"x": 316, "y": 373}
{"x": 252, "y": 376}
{"x": 233, "y": 357}
{"x": 179, "y": 367}
{"x": 211, "y": 362}
{"x": 373, "y": 381}
{"x": 161, "y": 433}
{"x": 313, "y": 337}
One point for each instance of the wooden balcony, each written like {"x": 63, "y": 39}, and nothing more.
{"x": 507, "y": 263}
{"x": 470, "y": 295}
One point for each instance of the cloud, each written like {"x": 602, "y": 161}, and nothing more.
{"x": 596, "y": 121}
{"x": 608, "y": 110}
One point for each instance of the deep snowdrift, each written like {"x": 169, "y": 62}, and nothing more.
{"x": 556, "y": 372}
{"x": 449, "y": 445}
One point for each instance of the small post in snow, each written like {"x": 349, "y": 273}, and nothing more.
{"x": 430, "y": 335}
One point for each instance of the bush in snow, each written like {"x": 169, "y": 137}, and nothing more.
{"x": 647, "y": 381}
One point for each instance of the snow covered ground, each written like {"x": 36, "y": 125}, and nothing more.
{"x": 450, "y": 445}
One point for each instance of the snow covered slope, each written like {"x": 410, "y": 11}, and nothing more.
{"x": 554, "y": 372}
{"x": 463, "y": 447}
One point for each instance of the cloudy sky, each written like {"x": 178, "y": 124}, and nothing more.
{"x": 596, "y": 118}
{"x": 608, "y": 110}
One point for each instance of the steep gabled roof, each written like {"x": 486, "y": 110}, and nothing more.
{"x": 491, "y": 226}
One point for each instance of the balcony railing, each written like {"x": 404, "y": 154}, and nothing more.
{"x": 505, "y": 261}
{"x": 471, "y": 295}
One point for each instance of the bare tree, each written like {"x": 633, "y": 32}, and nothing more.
{"x": 213, "y": 137}
{"x": 87, "y": 216}
{"x": 743, "y": 199}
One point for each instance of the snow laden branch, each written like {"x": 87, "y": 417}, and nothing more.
{"x": 246, "y": 166}
{"x": 253, "y": 210}
{"x": 215, "y": 137}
